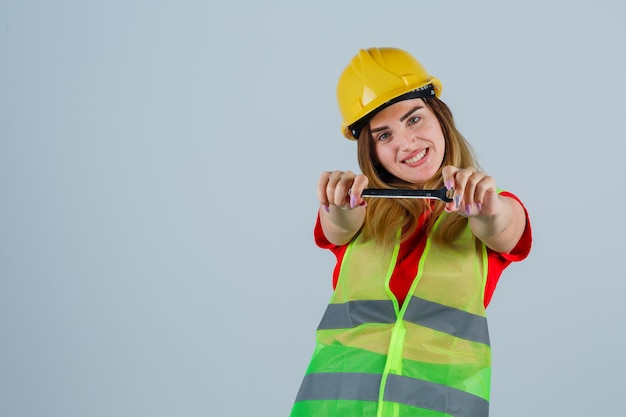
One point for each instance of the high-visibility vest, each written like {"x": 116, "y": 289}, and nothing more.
{"x": 430, "y": 357}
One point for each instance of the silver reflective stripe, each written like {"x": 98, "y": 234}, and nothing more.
{"x": 423, "y": 394}
{"x": 399, "y": 389}
{"x": 340, "y": 386}
{"x": 449, "y": 320}
{"x": 426, "y": 313}
{"x": 354, "y": 313}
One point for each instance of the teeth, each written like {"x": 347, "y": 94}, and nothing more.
{"x": 416, "y": 157}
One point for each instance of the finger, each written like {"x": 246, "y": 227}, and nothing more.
{"x": 339, "y": 193}
{"x": 454, "y": 179}
{"x": 485, "y": 191}
{"x": 322, "y": 185}
{"x": 327, "y": 185}
{"x": 358, "y": 185}
{"x": 448, "y": 172}
{"x": 460, "y": 184}
{"x": 472, "y": 191}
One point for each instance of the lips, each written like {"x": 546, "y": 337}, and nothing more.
{"x": 415, "y": 158}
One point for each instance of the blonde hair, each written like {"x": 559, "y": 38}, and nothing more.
{"x": 384, "y": 217}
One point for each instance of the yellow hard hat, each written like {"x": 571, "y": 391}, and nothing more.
{"x": 376, "y": 78}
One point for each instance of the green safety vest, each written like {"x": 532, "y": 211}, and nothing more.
{"x": 430, "y": 357}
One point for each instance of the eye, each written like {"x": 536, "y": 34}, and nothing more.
{"x": 383, "y": 136}
{"x": 413, "y": 120}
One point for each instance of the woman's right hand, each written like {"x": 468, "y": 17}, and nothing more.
{"x": 342, "y": 189}
{"x": 343, "y": 206}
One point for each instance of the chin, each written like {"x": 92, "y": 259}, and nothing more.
{"x": 418, "y": 180}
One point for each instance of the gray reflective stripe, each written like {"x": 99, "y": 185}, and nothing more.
{"x": 449, "y": 320}
{"x": 340, "y": 386}
{"x": 354, "y": 313}
{"x": 399, "y": 389}
{"x": 423, "y": 394}
{"x": 426, "y": 313}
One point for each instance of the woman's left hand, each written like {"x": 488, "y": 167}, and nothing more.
{"x": 496, "y": 220}
{"x": 475, "y": 192}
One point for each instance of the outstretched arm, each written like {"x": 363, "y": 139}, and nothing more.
{"x": 342, "y": 209}
{"x": 496, "y": 220}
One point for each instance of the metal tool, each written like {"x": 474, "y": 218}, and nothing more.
{"x": 442, "y": 194}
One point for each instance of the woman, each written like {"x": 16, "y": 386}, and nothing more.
{"x": 405, "y": 333}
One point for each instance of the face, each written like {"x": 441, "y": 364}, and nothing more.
{"x": 408, "y": 140}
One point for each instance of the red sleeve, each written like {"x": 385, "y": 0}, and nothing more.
{"x": 497, "y": 262}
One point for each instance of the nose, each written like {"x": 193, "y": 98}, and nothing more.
{"x": 407, "y": 138}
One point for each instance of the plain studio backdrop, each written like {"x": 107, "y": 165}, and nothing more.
{"x": 158, "y": 167}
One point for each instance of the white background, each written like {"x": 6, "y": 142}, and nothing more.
{"x": 158, "y": 165}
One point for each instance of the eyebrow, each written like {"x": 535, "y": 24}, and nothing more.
{"x": 402, "y": 119}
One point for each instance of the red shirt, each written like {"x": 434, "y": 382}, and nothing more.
{"x": 412, "y": 249}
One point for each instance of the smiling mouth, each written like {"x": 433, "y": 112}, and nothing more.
{"x": 415, "y": 158}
